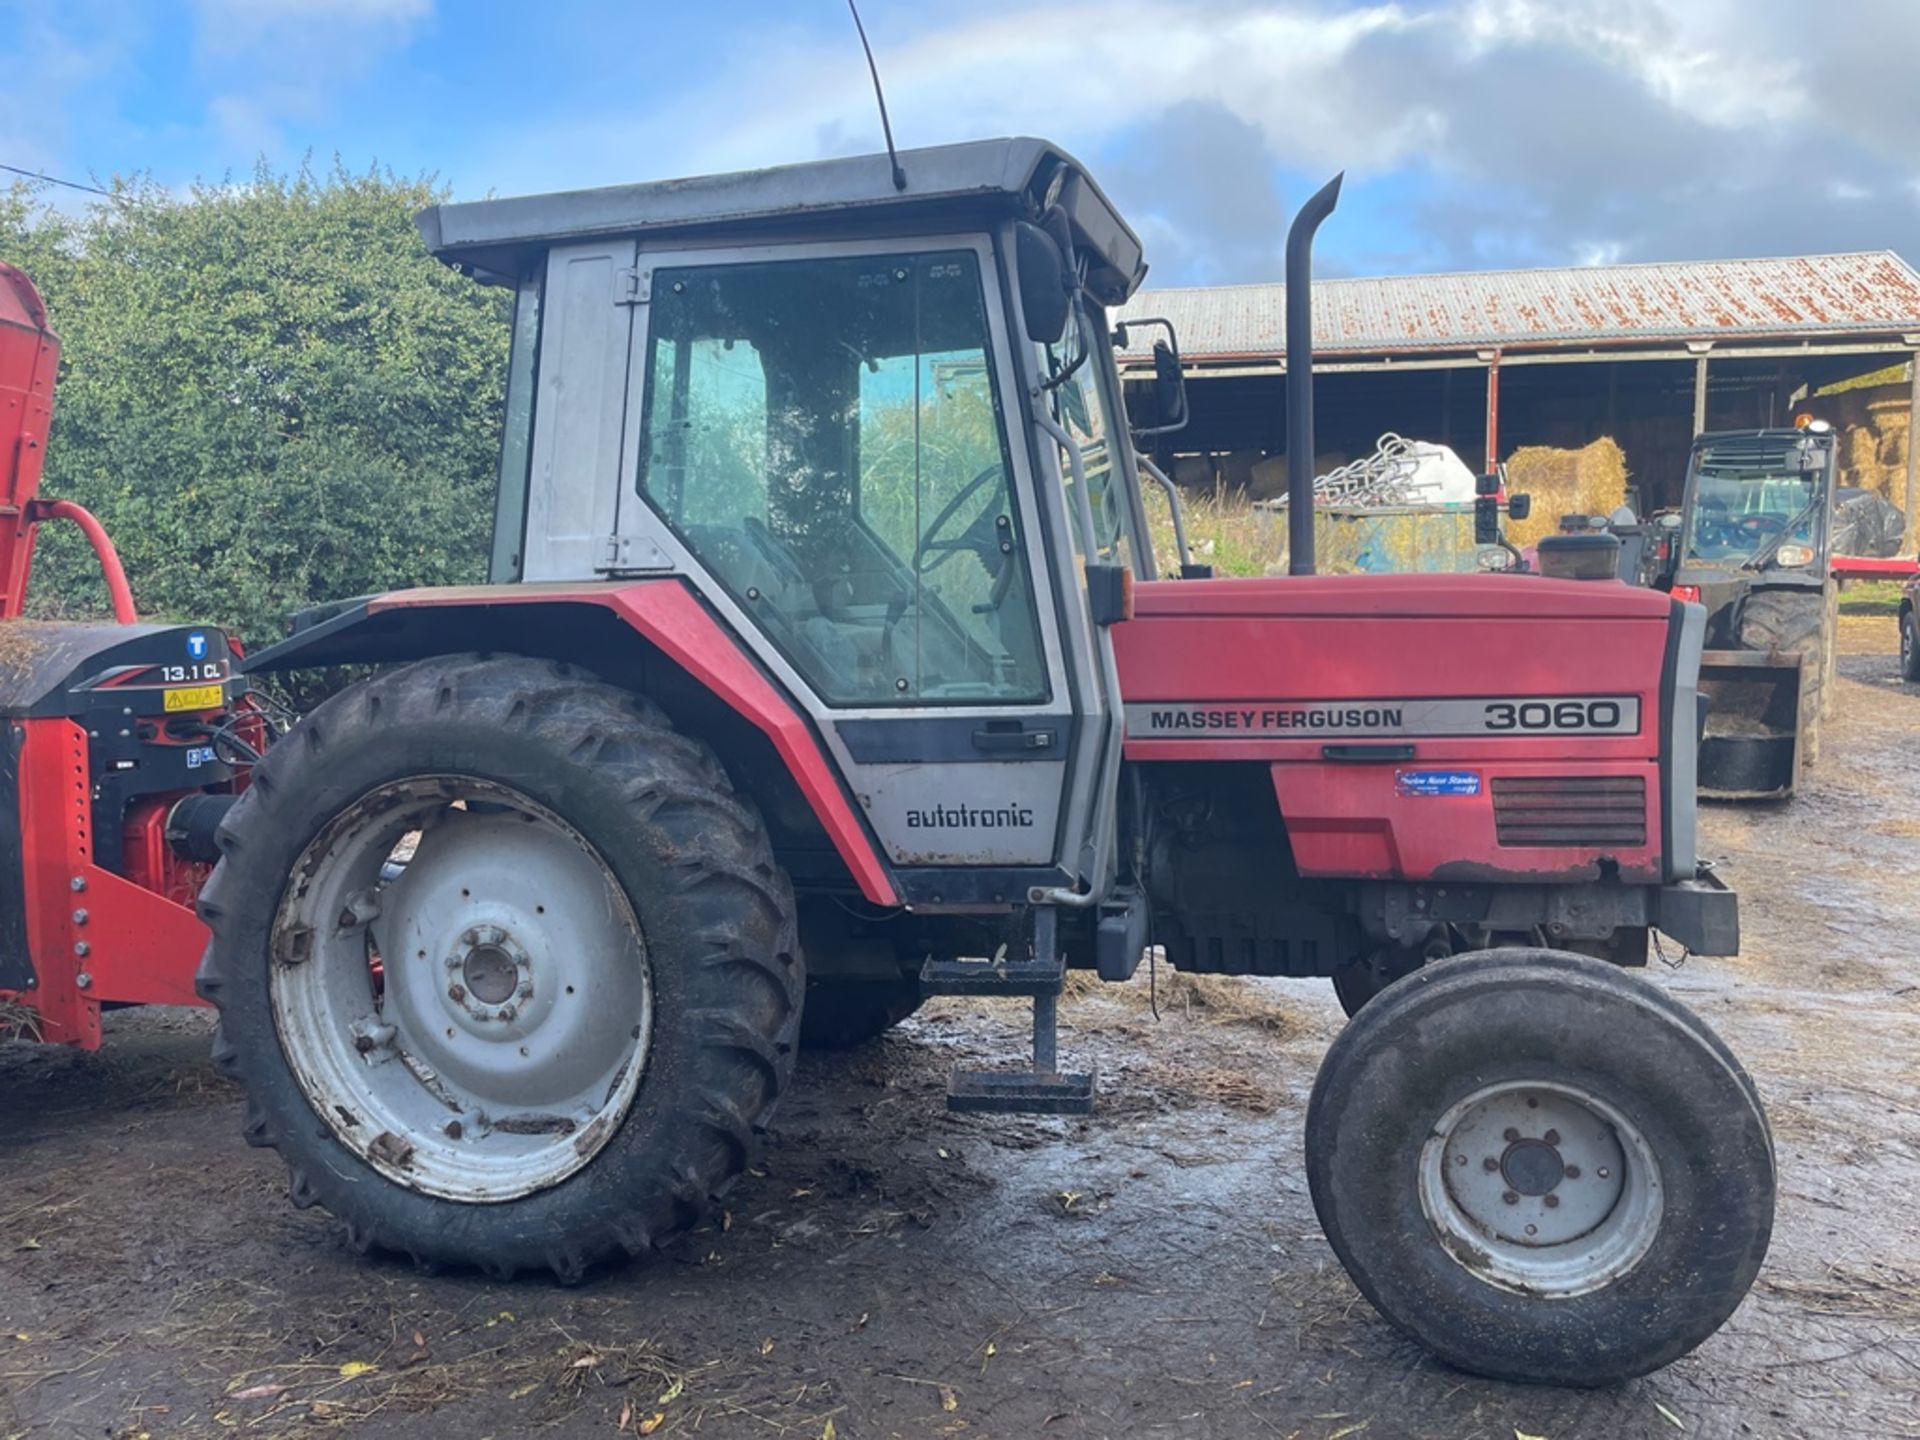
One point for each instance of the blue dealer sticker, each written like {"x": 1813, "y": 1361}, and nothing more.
{"x": 197, "y": 646}
{"x": 1437, "y": 782}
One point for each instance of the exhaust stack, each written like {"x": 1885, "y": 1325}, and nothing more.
{"x": 1300, "y": 374}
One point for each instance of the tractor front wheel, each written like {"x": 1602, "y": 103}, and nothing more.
{"x": 1540, "y": 1167}
{"x": 509, "y": 973}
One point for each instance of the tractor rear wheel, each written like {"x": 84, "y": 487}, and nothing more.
{"x": 1909, "y": 644}
{"x": 1525, "y": 1216}
{"x": 509, "y": 973}
{"x": 1797, "y": 622}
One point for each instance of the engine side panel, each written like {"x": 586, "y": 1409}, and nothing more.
{"x": 1420, "y": 727}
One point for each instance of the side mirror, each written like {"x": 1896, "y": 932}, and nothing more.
{"x": 1046, "y": 284}
{"x": 1486, "y": 510}
{"x": 1169, "y": 387}
{"x": 1519, "y": 507}
{"x": 1169, "y": 378}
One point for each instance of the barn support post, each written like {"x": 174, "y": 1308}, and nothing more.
{"x": 1492, "y": 357}
{"x": 1913, "y": 451}
{"x": 1700, "y": 393}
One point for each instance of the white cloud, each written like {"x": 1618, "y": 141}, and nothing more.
{"x": 1524, "y": 131}
{"x": 270, "y": 62}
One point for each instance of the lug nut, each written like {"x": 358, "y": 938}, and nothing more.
{"x": 455, "y": 1130}
{"x": 456, "y": 992}
{"x": 1553, "y": 1202}
{"x": 507, "y": 1012}
{"x": 1573, "y": 1172}
{"x": 1511, "y": 1198}
{"x": 1552, "y": 1137}
{"x": 1490, "y": 1164}
{"x": 1512, "y": 1134}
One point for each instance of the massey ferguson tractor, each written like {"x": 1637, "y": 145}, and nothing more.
{"x": 120, "y": 747}
{"x": 821, "y": 670}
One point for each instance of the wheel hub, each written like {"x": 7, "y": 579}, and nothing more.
{"x": 1532, "y": 1167}
{"x": 1540, "y": 1187}
{"x": 477, "y": 1023}
{"x": 491, "y": 968}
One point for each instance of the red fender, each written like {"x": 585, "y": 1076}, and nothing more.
{"x": 669, "y": 615}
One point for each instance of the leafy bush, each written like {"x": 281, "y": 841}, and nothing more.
{"x": 270, "y": 394}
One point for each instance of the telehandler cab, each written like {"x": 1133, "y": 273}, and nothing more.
{"x": 821, "y": 669}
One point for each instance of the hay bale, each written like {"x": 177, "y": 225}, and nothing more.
{"x": 1589, "y": 481}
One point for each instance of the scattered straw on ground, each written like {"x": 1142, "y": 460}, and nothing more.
{"x": 1213, "y": 999}
{"x": 1588, "y": 481}
{"x": 1874, "y": 1291}
{"x": 17, "y": 1021}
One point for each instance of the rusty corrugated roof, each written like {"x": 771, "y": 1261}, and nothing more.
{"x": 1874, "y": 292}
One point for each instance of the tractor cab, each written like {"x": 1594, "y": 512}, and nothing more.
{"x": 881, "y": 430}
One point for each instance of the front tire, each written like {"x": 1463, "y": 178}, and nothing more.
{"x": 1909, "y": 645}
{"x": 509, "y": 973}
{"x": 1540, "y": 1168}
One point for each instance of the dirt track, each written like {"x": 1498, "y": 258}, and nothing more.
{"x": 900, "y": 1271}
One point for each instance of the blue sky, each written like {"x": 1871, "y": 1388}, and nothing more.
{"x": 1476, "y": 133}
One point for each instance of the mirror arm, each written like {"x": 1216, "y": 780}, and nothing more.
{"x": 1173, "y": 504}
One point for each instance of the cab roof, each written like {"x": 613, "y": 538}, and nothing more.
{"x": 981, "y": 180}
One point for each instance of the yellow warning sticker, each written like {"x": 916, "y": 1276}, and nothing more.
{"x": 195, "y": 697}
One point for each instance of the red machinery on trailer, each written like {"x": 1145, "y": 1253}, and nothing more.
{"x": 118, "y": 753}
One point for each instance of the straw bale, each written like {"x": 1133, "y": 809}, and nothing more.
{"x": 1589, "y": 481}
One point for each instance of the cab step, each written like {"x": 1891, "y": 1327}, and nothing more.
{"x": 1019, "y": 1092}
{"x": 1043, "y": 1089}
{"x": 993, "y": 977}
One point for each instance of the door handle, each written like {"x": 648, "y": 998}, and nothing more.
{"x": 1002, "y": 741}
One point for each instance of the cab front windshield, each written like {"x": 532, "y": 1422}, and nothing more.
{"x": 1747, "y": 515}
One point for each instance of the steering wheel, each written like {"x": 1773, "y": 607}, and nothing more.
{"x": 1759, "y": 527}
{"x": 982, "y": 544}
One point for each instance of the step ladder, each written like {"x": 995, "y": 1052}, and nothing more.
{"x": 1044, "y": 1089}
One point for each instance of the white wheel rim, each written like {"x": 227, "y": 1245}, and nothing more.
{"x": 1541, "y": 1188}
{"x": 474, "y": 1021}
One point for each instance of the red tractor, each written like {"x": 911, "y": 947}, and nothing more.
{"x": 120, "y": 749}
{"x": 820, "y": 671}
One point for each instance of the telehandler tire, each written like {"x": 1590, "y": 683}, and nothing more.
{"x": 1540, "y": 1167}
{"x": 1797, "y": 622}
{"x": 509, "y": 973}
{"x": 1909, "y": 645}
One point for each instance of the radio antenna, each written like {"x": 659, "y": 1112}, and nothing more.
{"x": 886, "y": 126}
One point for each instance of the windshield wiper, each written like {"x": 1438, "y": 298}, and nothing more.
{"x": 1766, "y": 552}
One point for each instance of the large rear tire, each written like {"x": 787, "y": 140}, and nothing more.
{"x": 1540, "y": 1167}
{"x": 1909, "y": 644}
{"x": 508, "y": 972}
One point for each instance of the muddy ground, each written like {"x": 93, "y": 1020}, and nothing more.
{"x": 897, "y": 1271}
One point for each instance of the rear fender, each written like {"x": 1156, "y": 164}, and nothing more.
{"x": 652, "y": 636}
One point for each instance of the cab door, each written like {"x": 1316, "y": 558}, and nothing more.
{"x": 829, "y": 439}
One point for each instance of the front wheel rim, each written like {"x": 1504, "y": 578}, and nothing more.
{"x": 1541, "y": 1188}
{"x": 461, "y": 989}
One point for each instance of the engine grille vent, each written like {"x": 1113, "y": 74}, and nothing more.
{"x": 1570, "y": 810}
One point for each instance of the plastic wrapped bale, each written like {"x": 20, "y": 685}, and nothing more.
{"x": 1865, "y": 522}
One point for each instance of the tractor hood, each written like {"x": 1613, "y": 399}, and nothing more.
{"x": 1456, "y": 597}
